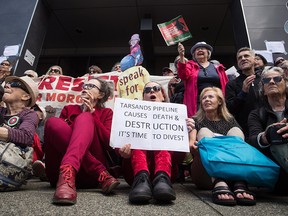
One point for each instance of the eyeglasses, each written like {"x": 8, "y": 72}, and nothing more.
{"x": 267, "y": 80}
{"x": 54, "y": 71}
{"x": 89, "y": 86}
{"x": 154, "y": 88}
{"x": 17, "y": 84}
{"x": 5, "y": 64}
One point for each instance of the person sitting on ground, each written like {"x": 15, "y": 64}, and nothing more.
{"x": 76, "y": 144}
{"x": 274, "y": 91}
{"x": 18, "y": 126}
{"x": 212, "y": 119}
{"x": 141, "y": 166}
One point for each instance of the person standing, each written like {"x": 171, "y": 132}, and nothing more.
{"x": 198, "y": 74}
{"x": 242, "y": 93}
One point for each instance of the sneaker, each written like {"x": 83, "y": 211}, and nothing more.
{"x": 107, "y": 182}
{"x": 38, "y": 169}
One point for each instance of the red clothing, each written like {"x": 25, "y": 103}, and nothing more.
{"x": 152, "y": 162}
{"x": 188, "y": 72}
{"x": 79, "y": 139}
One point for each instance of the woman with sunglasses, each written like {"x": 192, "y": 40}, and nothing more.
{"x": 76, "y": 144}
{"x": 141, "y": 166}
{"x": 55, "y": 70}
{"x": 17, "y": 127}
{"x": 274, "y": 91}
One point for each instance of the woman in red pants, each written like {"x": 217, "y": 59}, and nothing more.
{"x": 139, "y": 166}
{"x": 76, "y": 144}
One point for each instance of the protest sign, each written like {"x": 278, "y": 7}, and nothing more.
{"x": 58, "y": 91}
{"x": 174, "y": 31}
{"x": 149, "y": 125}
{"x": 132, "y": 81}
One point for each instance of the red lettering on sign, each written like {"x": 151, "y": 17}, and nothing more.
{"x": 63, "y": 83}
{"x": 47, "y": 83}
{"x": 77, "y": 84}
{"x": 61, "y": 97}
{"x": 50, "y": 97}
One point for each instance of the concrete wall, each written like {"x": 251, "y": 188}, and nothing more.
{"x": 25, "y": 23}
{"x": 265, "y": 20}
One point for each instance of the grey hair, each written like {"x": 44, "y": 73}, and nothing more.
{"x": 266, "y": 71}
{"x": 245, "y": 49}
{"x": 209, "y": 54}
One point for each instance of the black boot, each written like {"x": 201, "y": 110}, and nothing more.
{"x": 141, "y": 188}
{"x": 162, "y": 188}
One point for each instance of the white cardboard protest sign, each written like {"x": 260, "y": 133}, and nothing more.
{"x": 149, "y": 125}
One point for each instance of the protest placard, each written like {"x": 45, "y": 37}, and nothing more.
{"x": 149, "y": 125}
{"x": 174, "y": 31}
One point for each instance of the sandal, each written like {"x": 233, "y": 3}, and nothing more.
{"x": 240, "y": 188}
{"x": 222, "y": 190}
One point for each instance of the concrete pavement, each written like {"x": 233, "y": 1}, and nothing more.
{"x": 35, "y": 199}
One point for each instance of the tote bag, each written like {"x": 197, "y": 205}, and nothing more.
{"x": 15, "y": 166}
{"x": 230, "y": 158}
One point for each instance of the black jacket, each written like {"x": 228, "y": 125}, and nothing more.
{"x": 239, "y": 103}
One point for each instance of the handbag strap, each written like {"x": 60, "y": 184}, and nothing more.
{"x": 5, "y": 149}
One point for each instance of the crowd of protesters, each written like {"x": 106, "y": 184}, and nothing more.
{"x": 71, "y": 145}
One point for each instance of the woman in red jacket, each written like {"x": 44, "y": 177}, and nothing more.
{"x": 76, "y": 144}
{"x": 198, "y": 74}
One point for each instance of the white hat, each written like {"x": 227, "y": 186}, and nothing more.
{"x": 31, "y": 74}
{"x": 29, "y": 84}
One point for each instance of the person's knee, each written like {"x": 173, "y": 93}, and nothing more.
{"x": 87, "y": 117}
{"x": 52, "y": 124}
{"x": 204, "y": 132}
{"x": 235, "y": 131}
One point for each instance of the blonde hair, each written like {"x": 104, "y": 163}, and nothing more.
{"x": 222, "y": 109}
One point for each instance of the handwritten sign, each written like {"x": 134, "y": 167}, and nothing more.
{"x": 149, "y": 125}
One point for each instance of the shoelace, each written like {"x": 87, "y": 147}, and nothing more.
{"x": 67, "y": 173}
{"x": 103, "y": 176}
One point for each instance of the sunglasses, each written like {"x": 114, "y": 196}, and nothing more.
{"x": 276, "y": 79}
{"x": 17, "y": 84}
{"x": 5, "y": 64}
{"x": 154, "y": 88}
{"x": 54, "y": 71}
{"x": 89, "y": 86}
{"x": 279, "y": 61}
{"x": 29, "y": 75}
